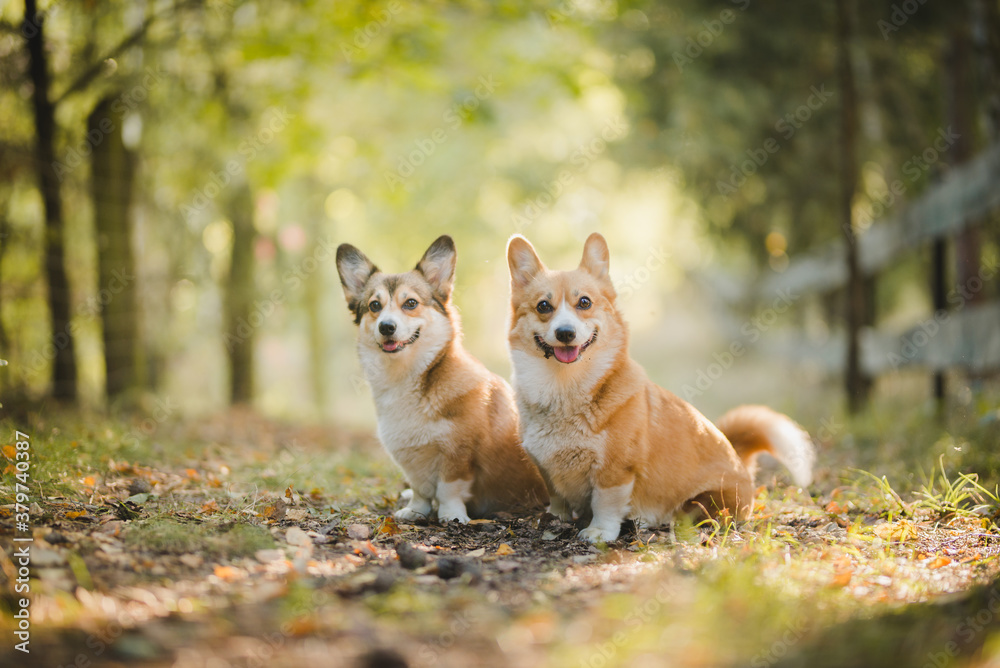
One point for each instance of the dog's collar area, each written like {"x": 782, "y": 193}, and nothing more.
{"x": 549, "y": 351}
{"x": 396, "y": 346}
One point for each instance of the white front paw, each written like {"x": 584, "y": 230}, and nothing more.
{"x": 408, "y": 514}
{"x": 594, "y": 534}
{"x": 453, "y": 513}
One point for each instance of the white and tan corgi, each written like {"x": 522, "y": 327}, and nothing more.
{"x": 610, "y": 443}
{"x": 448, "y": 422}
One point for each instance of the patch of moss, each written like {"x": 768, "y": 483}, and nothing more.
{"x": 170, "y": 536}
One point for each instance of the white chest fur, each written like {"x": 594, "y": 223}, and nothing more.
{"x": 404, "y": 421}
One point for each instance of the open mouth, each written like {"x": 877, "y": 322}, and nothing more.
{"x": 393, "y": 346}
{"x": 564, "y": 354}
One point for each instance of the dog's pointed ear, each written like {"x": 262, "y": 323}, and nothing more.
{"x": 596, "y": 258}
{"x": 523, "y": 261}
{"x": 438, "y": 266}
{"x": 355, "y": 269}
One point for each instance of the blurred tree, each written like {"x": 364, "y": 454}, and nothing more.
{"x": 64, "y": 364}
{"x": 240, "y": 295}
{"x": 112, "y": 167}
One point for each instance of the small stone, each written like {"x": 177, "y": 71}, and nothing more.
{"x": 267, "y": 556}
{"x": 139, "y": 486}
{"x": 548, "y": 535}
{"x": 506, "y": 565}
{"x": 359, "y": 531}
{"x": 476, "y": 553}
{"x": 296, "y": 536}
{"x": 410, "y": 557}
{"x": 448, "y": 567}
{"x": 43, "y": 558}
{"x": 192, "y": 560}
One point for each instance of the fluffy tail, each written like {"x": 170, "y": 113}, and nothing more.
{"x": 756, "y": 429}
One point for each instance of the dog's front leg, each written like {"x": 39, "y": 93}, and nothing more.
{"x": 610, "y": 506}
{"x": 451, "y": 497}
{"x": 417, "y": 508}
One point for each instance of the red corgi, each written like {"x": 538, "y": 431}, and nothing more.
{"x": 610, "y": 443}
{"x": 448, "y": 422}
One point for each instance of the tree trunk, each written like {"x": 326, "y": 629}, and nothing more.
{"x": 111, "y": 190}
{"x": 241, "y": 322}
{"x": 857, "y": 384}
{"x": 64, "y": 363}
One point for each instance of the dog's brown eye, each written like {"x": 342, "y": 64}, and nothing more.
{"x": 583, "y": 304}
{"x": 375, "y": 306}
{"x": 410, "y": 304}
{"x": 544, "y": 307}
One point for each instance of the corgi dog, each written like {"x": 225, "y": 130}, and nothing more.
{"x": 448, "y": 422}
{"x": 611, "y": 444}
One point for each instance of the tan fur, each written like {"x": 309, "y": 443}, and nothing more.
{"x": 602, "y": 425}
{"x": 443, "y": 417}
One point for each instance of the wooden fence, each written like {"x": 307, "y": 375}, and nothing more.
{"x": 964, "y": 331}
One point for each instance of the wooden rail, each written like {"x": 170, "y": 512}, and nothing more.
{"x": 965, "y": 334}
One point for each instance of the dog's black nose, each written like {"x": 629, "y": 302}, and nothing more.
{"x": 565, "y": 334}
{"x": 386, "y": 328}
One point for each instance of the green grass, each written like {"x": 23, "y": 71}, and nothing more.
{"x": 171, "y": 536}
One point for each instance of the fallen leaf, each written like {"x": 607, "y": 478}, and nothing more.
{"x": 73, "y": 514}
{"x": 89, "y": 481}
{"x": 388, "y": 527}
{"x": 842, "y": 578}
{"x": 898, "y": 532}
{"x": 939, "y": 562}
{"x": 835, "y": 508}
{"x": 191, "y": 473}
{"x": 9, "y": 451}
{"x": 476, "y": 553}
{"x": 480, "y": 521}
{"x": 228, "y": 573}
{"x": 296, "y": 514}
{"x": 210, "y": 507}
{"x": 505, "y": 549}
{"x": 366, "y": 549}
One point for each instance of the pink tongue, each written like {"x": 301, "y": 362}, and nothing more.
{"x": 390, "y": 346}
{"x": 566, "y": 354}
